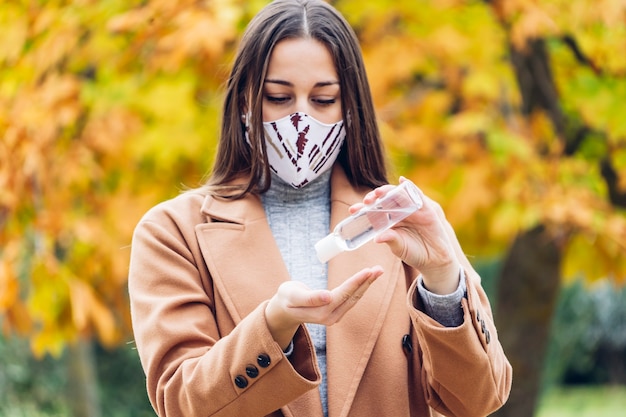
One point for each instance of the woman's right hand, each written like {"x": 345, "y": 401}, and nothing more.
{"x": 294, "y": 304}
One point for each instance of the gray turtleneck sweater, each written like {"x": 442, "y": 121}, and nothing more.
{"x": 298, "y": 219}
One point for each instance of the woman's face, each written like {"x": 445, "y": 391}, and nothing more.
{"x": 301, "y": 78}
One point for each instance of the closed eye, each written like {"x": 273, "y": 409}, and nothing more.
{"x": 325, "y": 102}
{"x": 277, "y": 99}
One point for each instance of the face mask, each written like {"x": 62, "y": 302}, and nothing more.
{"x": 300, "y": 148}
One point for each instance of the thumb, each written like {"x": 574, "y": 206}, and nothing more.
{"x": 318, "y": 298}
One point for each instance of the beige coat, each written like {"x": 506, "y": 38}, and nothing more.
{"x": 201, "y": 273}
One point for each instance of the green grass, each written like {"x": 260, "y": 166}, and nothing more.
{"x": 604, "y": 401}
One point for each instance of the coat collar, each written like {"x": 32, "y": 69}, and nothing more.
{"x": 240, "y": 253}
{"x": 246, "y": 267}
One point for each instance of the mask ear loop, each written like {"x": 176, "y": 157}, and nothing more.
{"x": 245, "y": 119}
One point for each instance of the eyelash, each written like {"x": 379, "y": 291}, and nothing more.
{"x": 326, "y": 102}
{"x": 282, "y": 100}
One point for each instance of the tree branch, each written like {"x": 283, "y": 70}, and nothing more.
{"x": 616, "y": 196}
{"x": 572, "y": 44}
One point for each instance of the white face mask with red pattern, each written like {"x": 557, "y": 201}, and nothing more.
{"x": 301, "y": 148}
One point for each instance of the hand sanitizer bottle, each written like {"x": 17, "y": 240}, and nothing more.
{"x": 370, "y": 221}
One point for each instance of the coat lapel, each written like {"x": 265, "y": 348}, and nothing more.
{"x": 240, "y": 252}
{"x": 350, "y": 342}
{"x": 246, "y": 274}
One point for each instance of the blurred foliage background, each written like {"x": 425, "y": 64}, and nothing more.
{"x": 507, "y": 112}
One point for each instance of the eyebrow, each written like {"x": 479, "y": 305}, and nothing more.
{"x": 289, "y": 84}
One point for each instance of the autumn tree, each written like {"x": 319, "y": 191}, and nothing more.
{"x": 104, "y": 110}
{"x": 508, "y": 113}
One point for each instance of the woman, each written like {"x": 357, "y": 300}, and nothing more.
{"x": 234, "y": 316}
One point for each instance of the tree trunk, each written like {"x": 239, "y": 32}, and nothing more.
{"x": 527, "y": 291}
{"x": 82, "y": 380}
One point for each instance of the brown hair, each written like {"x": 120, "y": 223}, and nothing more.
{"x": 361, "y": 157}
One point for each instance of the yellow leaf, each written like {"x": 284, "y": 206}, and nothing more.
{"x": 533, "y": 23}
{"x": 88, "y": 309}
{"x": 475, "y": 194}
{"x": 81, "y": 299}
{"x": 479, "y": 84}
{"x": 413, "y": 139}
{"x": 18, "y": 320}
{"x": 104, "y": 323}
{"x": 9, "y": 284}
{"x": 13, "y": 34}
{"x": 468, "y": 123}
{"x": 131, "y": 20}
{"x": 506, "y": 220}
{"x": 433, "y": 105}
{"x": 48, "y": 340}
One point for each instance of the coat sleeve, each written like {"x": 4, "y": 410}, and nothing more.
{"x": 464, "y": 371}
{"x": 191, "y": 368}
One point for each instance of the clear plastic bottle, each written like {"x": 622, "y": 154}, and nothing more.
{"x": 361, "y": 227}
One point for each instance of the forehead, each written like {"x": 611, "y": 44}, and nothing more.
{"x": 302, "y": 61}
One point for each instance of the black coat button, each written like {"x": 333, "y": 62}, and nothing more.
{"x": 241, "y": 381}
{"x": 487, "y": 336}
{"x": 407, "y": 345}
{"x": 263, "y": 360}
{"x": 252, "y": 371}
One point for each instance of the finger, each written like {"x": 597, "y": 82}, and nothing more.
{"x": 351, "y": 284}
{"x": 354, "y": 288}
{"x": 371, "y": 197}
{"x": 375, "y": 273}
{"x": 347, "y": 301}
{"x": 375, "y": 194}
{"x": 355, "y": 207}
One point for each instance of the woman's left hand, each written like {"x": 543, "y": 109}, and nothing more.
{"x": 422, "y": 241}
